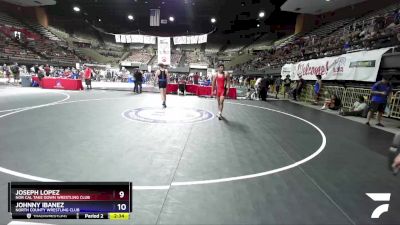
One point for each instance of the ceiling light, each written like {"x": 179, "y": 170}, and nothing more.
{"x": 77, "y": 9}
{"x": 213, "y": 20}
{"x": 99, "y": 20}
{"x": 130, "y": 17}
{"x": 261, "y": 14}
{"x": 171, "y": 18}
{"x": 258, "y": 25}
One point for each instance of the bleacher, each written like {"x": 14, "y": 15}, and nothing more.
{"x": 366, "y": 19}
{"x": 6, "y": 19}
{"x": 176, "y": 58}
{"x": 234, "y": 49}
{"x": 212, "y": 49}
{"x": 329, "y": 40}
{"x": 12, "y": 50}
{"x": 329, "y": 28}
{"x": 286, "y": 40}
{"x": 139, "y": 56}
{"x": 42, "y": 30}
{"x": 195, "y": 57}
{"x": 32, "y": 45}
{"x": 262, "y": 43}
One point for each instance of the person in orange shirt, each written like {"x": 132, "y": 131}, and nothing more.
{"x": 88, "y": 77}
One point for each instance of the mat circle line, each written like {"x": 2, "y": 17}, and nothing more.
{"x": 184, "y": 183}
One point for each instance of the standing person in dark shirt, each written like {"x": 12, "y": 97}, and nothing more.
{"x": 138, "y": 82}
{"x": 263, "y": 88}
{"x": 278, "y": 83}
{"x": 380, "y": 92}
{"x": 286, "y": 83}
{"x": 299, "y": 87}
{"x": 162, "y": 76}
{"x": 15, "y": 70}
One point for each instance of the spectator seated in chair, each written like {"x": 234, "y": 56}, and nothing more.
{"x": 333, "y": 104}
{"x": 359, "y": 108}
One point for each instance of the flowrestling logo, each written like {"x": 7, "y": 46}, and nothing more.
{"x": 168, "y": 115}
{"x": 379, "y": 197}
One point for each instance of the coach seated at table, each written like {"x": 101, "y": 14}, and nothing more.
{"x": 359, "y": 108}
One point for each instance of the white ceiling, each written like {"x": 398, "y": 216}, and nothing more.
{"x": 27, "y": 3}
{"x": 316, "y": 7}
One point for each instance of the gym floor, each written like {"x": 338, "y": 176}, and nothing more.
{"x": 269, "y": 162}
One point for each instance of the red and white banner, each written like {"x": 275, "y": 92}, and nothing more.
{"x": 358, "y": 66}
{"x": 164, "y": 50}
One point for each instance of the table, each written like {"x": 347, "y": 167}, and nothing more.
{"x": 191, "y": 88}
{"x": 203, "y": 91}
{"x": 172, "y": 88}
{"x": 36, "y": 79}
{"x": 61, "y": 83}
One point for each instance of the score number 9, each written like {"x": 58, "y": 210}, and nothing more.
{"x": 121, "y": 207}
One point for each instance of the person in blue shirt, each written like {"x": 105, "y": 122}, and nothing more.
{"x": 380, "y": 92}
{"x": 317, "y": 89}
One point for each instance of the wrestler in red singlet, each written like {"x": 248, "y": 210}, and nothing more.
{"x": 220, "y": 83}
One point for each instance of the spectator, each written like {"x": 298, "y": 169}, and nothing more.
{"x": 247, "y": 82}
{"x": 317, "y": 89}
{"x": 396, "y": 19}
{"x": 358, "y": 109}
{"x": 380, "y": 92}
{"x": 15, "y": 71}
{"x": 277, "y": 83}
{"x": 258, "y": 87}
{"x": 47, "y": 70}
{"x": 196, "y": 78}
{"x": 182, "y": 85}
{"x": 88, "y": 77}
{"x": 6, "y": 72}
{"x": 75, "y": 74}
{"x": 333, "y": 104}
{"x": 299, "y": 87}
{"x": 263, "y": 88}
{"x": 286, "y": 83}
{"x": 347, "y": 45}
{"x": 138, "y": 82}
{"x": 36, "y": 69}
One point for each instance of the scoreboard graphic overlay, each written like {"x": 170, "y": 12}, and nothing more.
{"x": 70, "y": 200}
